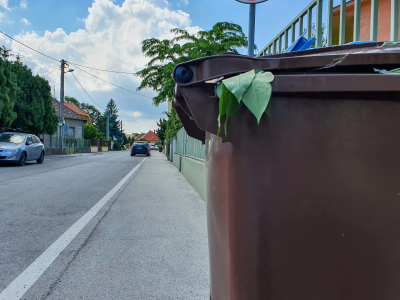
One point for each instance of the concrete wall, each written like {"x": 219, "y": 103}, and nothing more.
{"x": 177, "y": 161}
{"x": 53, "y": 151}
{"x": 78, "y": 124}
{"x": 195, "y": 173}
{"x": 94, "y": 149}
{"x": 83, "y": 150}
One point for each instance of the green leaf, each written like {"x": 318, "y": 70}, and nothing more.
{"x": 223, "y": 95}
{"x": 238, "y": 85}
{"x": 267, "y": 76}
{"x": 257, "y": 96}
{"x": 232, "y": 106}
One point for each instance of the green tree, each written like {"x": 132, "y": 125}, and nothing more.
{"x": 162, "y": 127}
{"x": 90, "y": 132}
{"x": 166, "y": 54}
{"x": 101, "y": 123}
{"x": 34, "y": 104}
{"x": 124, "y": 139}
{"x": 93, "y": 112}
{"x": 112, "y": 108}
{"x": 8, "y": 93}
{"x": 5, "y": 53}
{"x": 173, "y": 126}
{"x": 72, "y": 100}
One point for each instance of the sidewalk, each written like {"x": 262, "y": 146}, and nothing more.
{"x": 152, "y": 243}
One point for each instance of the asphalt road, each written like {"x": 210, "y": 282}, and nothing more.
{"x": 148, "y": 241}
{"x": 38, "y": 203}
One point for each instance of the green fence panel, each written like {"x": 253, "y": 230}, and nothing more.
{"x": 181, "y": 141}
{"x": 189, "y": 147}
{"x": 195, "y": 149}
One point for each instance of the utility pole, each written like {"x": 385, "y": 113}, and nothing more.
{"x": 252, "y": 23}
{"x": 108, "y": 126}
{"x": 252, "y": 29}
{"x": 61, "y": 124}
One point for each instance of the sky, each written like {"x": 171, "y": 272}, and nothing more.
{"x": 106, "y": 34}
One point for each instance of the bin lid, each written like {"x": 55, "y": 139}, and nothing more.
{"x": 337, "y": 70}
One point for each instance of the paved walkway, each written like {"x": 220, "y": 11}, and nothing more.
{"x": 152, "y": 243}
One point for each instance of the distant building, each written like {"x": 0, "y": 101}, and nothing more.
{"x": 384, "y": 18}
{"x": 78, "y": 110}
{"x": 74, "y": 122}
{"x": 139, "y": 136}
{"x": 150, "y": 137}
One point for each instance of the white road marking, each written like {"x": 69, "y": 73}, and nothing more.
{"x": 16, "y": 289}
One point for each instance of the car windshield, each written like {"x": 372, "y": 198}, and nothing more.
{"x": 12, "y": 138}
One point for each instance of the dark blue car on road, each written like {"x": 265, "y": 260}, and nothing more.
{"x": 140, "y": 148}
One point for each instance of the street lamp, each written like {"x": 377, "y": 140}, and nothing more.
{"x": 252, "y": 22}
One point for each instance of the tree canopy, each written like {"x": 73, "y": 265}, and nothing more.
{"x": 72, "y": 100}
{"x": 90, "y": 132}
{"x": 92, "y": 111}
{"x": 25, "y": 99}
{"x": 8, "y": 93}
{"x": 162, "y": 127}
{"x": 166, "y": 54}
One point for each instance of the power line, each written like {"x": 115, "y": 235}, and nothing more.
{"x": 75, "y": 90}
{"x": 28, "y": 46}
{"x": 119, "y": 72}
{"x": 31, "y": 59}
{"x": 111, "y": 83}
{"x": 51, "y": 72}
{"x": 86, "y": 92}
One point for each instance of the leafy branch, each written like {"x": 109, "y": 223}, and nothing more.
{"x": 252, "y": 89}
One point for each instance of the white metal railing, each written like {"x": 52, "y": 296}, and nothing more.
{"x": 297, "y": 25}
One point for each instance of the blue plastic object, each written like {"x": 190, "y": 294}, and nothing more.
{"x": 309, "y": 43}
{"x": 301, "y": 44}
{"x": 360, "y": 42}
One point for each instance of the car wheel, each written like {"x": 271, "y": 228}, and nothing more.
{"x": 41, "y": 158}
{"x": 22, "y": 159}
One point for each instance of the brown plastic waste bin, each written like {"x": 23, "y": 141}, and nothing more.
{"x": 305, "y": 205}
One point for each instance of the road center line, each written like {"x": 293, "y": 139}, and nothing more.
{"x": 16, "y": 289}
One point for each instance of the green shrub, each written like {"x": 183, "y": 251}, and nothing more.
{"x": 90, "y": 132}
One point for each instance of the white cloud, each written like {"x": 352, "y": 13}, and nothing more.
{"x": 137, "y": 114}
{"x": 111, "y": 39}
{"x": 4, "y": 3}
{"x": 1, "y": 16}
{"x": 140, "y": 125}
{"x": 185, "y": 2}
{"x": 25, "y": 21}
{"x": 23, "y": 4}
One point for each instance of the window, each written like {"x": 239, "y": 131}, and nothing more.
{"x": 71, "y": 131}
{"x": 12, "y": 138}
{"x": 36, "y": 139}
{"x": 29, "y": 139}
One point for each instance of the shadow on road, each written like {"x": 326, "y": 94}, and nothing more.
{"x": 11, "y": 165}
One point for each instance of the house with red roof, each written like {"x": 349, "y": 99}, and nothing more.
{"x": 78, "y": 110}
{"x": 150, "y": 137}
{"x": 74, "y": 122}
